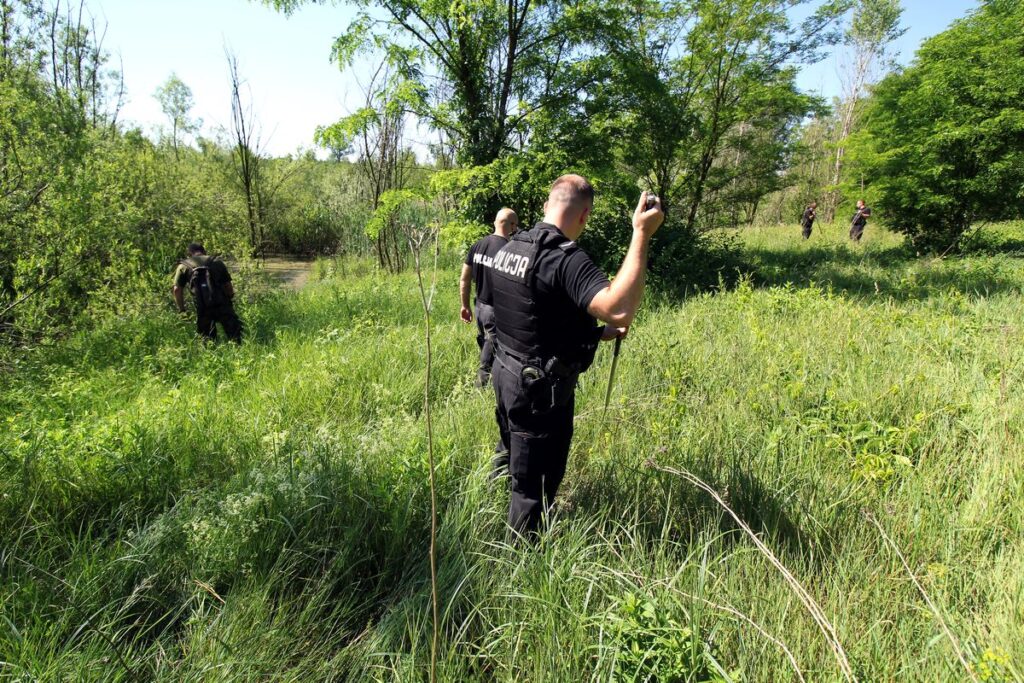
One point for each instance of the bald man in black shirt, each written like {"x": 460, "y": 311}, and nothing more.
{"x": 476, "y": 271}
{"x": 547, "y": 296}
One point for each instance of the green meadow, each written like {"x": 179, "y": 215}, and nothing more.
{"x": 176, "y": 512}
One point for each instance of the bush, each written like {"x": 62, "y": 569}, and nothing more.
{"x": 943, "y": 143}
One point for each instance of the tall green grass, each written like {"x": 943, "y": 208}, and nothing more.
{"x": 171, "y": 511}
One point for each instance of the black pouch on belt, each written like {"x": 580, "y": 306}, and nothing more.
{"x": 563, "y": 381}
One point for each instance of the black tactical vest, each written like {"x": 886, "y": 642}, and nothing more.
{"x": 533, "y": 319}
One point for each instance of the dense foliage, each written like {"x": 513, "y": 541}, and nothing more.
{"x": 943, "y": 144}
{"x": 92, "y": 214}
{"x": 694, "y": 99}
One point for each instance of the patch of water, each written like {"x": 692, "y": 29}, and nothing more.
{"x": 291, "y": 272}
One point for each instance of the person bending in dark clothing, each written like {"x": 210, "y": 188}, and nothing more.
{"x": 208, "y": 280}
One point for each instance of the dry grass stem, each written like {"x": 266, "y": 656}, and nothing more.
{"x": 427, "y": 300}
{"x": 931, "y": 605}
{"x": 826, "y": 627}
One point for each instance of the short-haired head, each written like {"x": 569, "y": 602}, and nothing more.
{"x": 506, "y": 222}
{"x": 814, "y": 205}
{"x": 195, "y": 248}
{"x": 860, "y": 202}
{"x": 572, "y": 190}
{"x": 569, "y": 204}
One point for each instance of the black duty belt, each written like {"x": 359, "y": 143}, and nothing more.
{"x": 551, "y": 366}
{"x": 511, "y": 361}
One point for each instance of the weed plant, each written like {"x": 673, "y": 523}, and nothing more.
{"x": 171, "y": 511}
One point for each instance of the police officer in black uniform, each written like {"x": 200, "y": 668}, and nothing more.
{"x": 547, "y": 296}
{"x": 860, "y": 221}
{"x": 475, "y": 271}
{"x": 807, "y": 220}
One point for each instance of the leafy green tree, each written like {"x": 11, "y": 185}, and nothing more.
{"x": 700, "y": 82}
{"x": 659, "y": 90}
{"x": 807, "y": 170}
{"x": 943, "y": 143}
{"x": 499, "y": 62}
{"x": 175, "y": 100}
{"x": 874, "y": 26}
{"x": 54, "y": 114}
{"x": 375, "y": 133}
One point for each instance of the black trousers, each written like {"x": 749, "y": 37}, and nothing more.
{"x": 207, "y": 319}
{"x": 535, "y": 424}
{"x": 856, "y": 232}
{"x": 807, "y": 230}
{"x": 485, "y": 340}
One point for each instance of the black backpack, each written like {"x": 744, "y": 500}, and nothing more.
{"x": 206, "y": 291}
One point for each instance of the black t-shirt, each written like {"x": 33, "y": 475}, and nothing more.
{"x": 547, "y": 317}
{"x": 808, "y": 218}
{"x": 860, "y": 218}
{"x": 479, "y": 259}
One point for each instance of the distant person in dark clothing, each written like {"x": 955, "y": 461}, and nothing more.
{"x": 477, "y": 269}
{"x": 860, "y": 220}
{"x": 808, "y": 219}
{"x": 209, "y": 281}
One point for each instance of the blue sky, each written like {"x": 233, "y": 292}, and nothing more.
{"x": 921, "y": 18}
{"x": 285, "y": 60}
